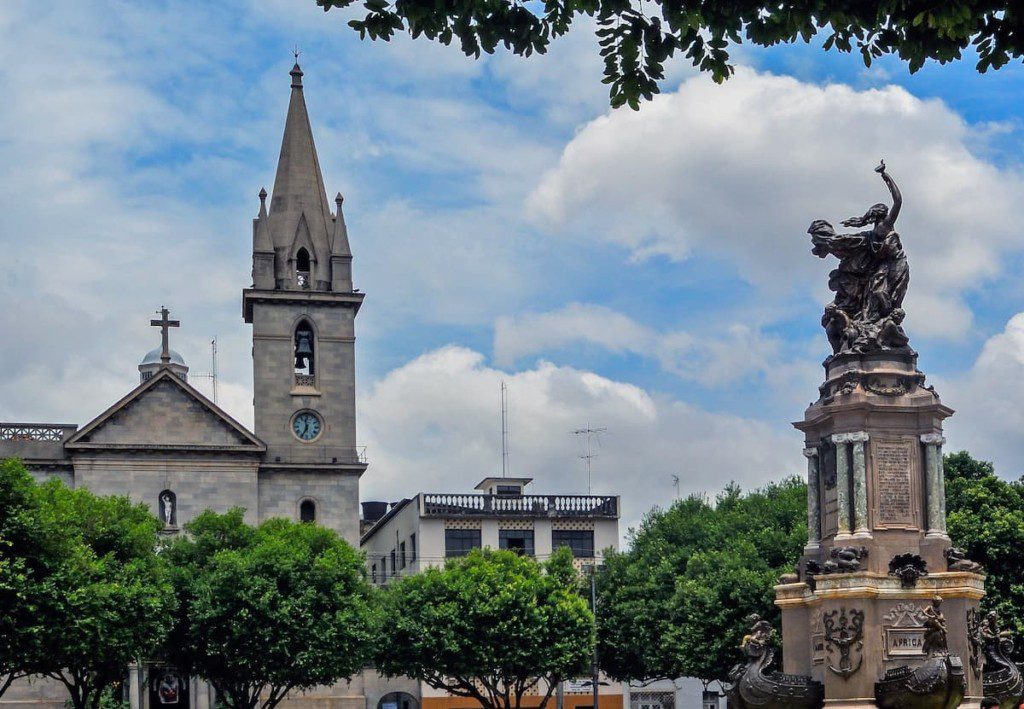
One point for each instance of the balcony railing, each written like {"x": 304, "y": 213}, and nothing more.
{"x": 36, "y": 433}
{"x": 445, "y": 505}
{"x": 313, "y": 453}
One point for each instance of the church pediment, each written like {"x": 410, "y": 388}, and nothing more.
{"x": 165, "y": 413}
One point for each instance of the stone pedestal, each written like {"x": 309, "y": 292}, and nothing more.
{"x": 875, "y": 560}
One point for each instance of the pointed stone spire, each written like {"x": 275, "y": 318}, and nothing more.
{"x": 339, "y": 244}
{"x": 299, "y": 191}
{"x": 341, "y": 253}
{"x": 262, "y": 247}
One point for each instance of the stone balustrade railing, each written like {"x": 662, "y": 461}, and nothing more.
{"x": 442, "y": 504}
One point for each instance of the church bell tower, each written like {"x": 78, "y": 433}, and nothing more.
{"x": 302, "y": 308}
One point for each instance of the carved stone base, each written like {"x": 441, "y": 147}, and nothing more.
{"x": 822, "y": 639}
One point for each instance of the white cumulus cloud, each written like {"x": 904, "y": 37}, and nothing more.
{"x": 740, "y": 170}
{"x": 433, "y": 425}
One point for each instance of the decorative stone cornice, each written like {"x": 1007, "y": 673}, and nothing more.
{"x": 839, "y": 438}
{"x": 933, "y": 439}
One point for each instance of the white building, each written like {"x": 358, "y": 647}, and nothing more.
{"x": 683, "y": 693}
{"x": 407, "y": 536}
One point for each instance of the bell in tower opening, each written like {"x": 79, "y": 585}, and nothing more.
{"x": 304, "y": 350}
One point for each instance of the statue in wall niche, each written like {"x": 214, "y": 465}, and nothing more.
{"x": 871, "y": 280}
{"x": 167, "y": 508}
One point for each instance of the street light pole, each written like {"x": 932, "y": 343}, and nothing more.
{"x": 593, "y": 608}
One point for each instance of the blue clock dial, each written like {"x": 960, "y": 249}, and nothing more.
{"x": 306, "y": 426}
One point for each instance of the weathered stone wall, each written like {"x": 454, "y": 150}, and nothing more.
{"x": 336, "y": 496}
{"x": 198, "y": 482}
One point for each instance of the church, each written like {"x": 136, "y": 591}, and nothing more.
{"x": 165, "y": 444}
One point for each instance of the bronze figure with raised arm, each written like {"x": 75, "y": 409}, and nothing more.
{"x": 870, "y": 281}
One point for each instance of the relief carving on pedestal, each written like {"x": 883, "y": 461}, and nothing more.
{"x": 908, "y": 568}
{"x": 903, "y": 631}
{"x": 844, "y": 637}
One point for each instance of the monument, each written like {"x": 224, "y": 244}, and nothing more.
{"x": 880, "y": 611}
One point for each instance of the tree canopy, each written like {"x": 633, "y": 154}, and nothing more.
{"x": 22, "y": 564}
{"x": 986, "y": 519}
{"x": 104, "y": 597}
{"x": 676, "y": 603}
{"x": 489, "y": 626}
{"x": 269, "y": 609}
{"x": 636, "y": 39}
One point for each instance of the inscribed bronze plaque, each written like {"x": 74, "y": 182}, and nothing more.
{"x": 895, "y": 490}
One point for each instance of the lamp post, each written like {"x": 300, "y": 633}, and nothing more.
{"x": 595, "y": 679}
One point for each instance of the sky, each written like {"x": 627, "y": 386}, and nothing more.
{"x": 647, "y": 273}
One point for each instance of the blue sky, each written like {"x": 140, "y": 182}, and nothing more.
{"x": 648, "y": 273}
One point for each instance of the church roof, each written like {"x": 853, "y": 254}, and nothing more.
{"x": 165, "y": 413}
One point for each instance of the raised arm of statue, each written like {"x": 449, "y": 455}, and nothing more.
{"x": 897, "y": 198}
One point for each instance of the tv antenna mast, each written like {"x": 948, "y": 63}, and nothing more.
{"x": 504, "y": 429}
{"x": 593, "y": 435}
{"x": 675, "y": 481}
{"x": 212, "y": 374}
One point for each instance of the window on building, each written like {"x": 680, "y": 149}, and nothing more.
{"x": 398, "y": 700}
{"x": 518, "y": 540}
{"x": 401, "y": 555}
{"x": 383, "y": 569}
{"x": 307, "y": 511}
{"x": 580, "y": 541}
{"x": 459, "y": 542}
{"x": 394, "y": 566}
{"x": 508, "y": 490}
{"x": 412, "y": 548}
{"x": 373, "y": 573}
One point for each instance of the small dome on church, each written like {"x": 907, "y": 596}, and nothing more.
{"x": 153, "y": 357}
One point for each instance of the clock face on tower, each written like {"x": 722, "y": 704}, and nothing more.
{"x": 306, "y": 426}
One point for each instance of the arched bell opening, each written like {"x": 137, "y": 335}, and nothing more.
{"x": 303, "y": 276}
{"x": 305, "y": 354}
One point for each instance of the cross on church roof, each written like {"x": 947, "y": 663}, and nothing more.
{"x": 165, "y": 323}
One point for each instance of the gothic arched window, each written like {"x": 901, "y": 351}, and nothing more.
{"x": 307, "y": 511}
{"x": 305, "y": 357}
{"x": 302, "y": 268}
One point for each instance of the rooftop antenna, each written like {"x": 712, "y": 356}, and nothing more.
{"x": 212, "y": 374}
{"x": 592, "y": 434}
{"x": 675, "y": 481}
{"x": 504, "y": 429}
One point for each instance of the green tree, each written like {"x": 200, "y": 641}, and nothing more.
{"x": 676, "y": 603}
{"x": 21, "y": 542}
{"x": 985, "y": 516}
{"x": 266, "y": 610}
{"x": 636, "y": 39}
{"x": 105, "y": 598}
{"x": 489, "y": 626}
